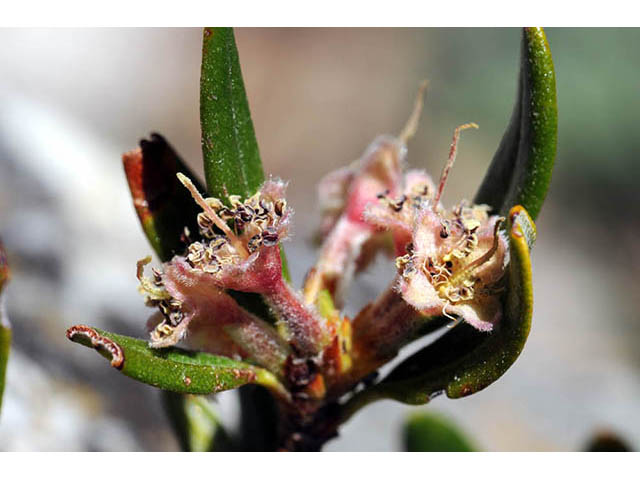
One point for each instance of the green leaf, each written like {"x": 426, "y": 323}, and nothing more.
{"x": 520, "y": 172}
{"x": 428, "y": 432}
{"x": 5, "y": 328}
{"x": 464, "y": 361}
{"x": 163, "y": 205}
{"x": 172, "y": 369}
{"x": 232, "y": 164}
{"x": 231, "y": 158}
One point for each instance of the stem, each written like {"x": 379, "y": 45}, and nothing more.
{"x": 383, "y": 327}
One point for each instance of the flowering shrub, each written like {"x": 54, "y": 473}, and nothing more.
{"x": 226, "y": 315}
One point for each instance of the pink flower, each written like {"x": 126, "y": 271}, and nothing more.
{"x": 344, "y": 195}
{"x": 191, "y": 290}
{"x": 247, "y": 257}
{"x": 450, "y": 262}
{"x": 351, "y": 242}
{"x": 455, "y": 265}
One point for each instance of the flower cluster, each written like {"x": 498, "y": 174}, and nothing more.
{"x": 450, "y": 263}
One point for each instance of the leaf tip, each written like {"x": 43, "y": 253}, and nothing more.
{"x": 89, "y": 337}
{"x": 522, "y": 225}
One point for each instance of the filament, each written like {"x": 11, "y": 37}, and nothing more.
{"x": 233, "y": 239}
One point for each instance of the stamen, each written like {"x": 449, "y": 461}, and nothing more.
{"x": 411, "y": 126}
{"x": 153, "y": 291}
{"x": 487, "y": 256}
{"x": 233, "y": 239}
{"x": 140, "y": 264}
{"x": 455, "y": 320}
{"x": 452, "y": 157}
{"x": 483, "y": 259}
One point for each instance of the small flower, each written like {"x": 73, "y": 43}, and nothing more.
{"x": 351, "y": 242}
{"x": 453, "y": 260}
{"x": 245, "y": 257}
{"x": 350, "y": 239}
{"x": 454, "y": 266}
{"x": 189, "y": 302}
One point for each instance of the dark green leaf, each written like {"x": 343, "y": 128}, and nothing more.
{"x": 172, "y": 369}
{"x": 163, "y": 205}
{"x": 5, "y": 328}
{"x": 231, "y": 158}
{"x": 428, "y": 432}
{"x": 520, "y": 172}
{"x": 464, "y": 361}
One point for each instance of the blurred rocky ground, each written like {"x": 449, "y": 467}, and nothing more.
{"x": 74, "y": 100}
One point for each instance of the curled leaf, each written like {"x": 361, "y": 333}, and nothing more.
{"x": 172, "y": 369}
{"x": 520, "y": 172}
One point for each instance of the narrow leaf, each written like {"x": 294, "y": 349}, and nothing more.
{"x": 464, "y": 360}
{"x": 231, "y": 158}
{"x": 172, "y": 369}
{"x": 163, "y": 205}
{"x": 5, "y": 328}
{"x": 230, "y": 151}
{"x": 428, "y": 432}
{"x": 520, "y": 172}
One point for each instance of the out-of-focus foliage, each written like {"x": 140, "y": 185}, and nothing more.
{"x": 431, "y": 432}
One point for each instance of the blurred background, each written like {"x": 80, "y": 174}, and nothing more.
{"x": 73, "y": 100}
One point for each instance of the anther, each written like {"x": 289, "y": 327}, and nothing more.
{"x": 233, "y": 239}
